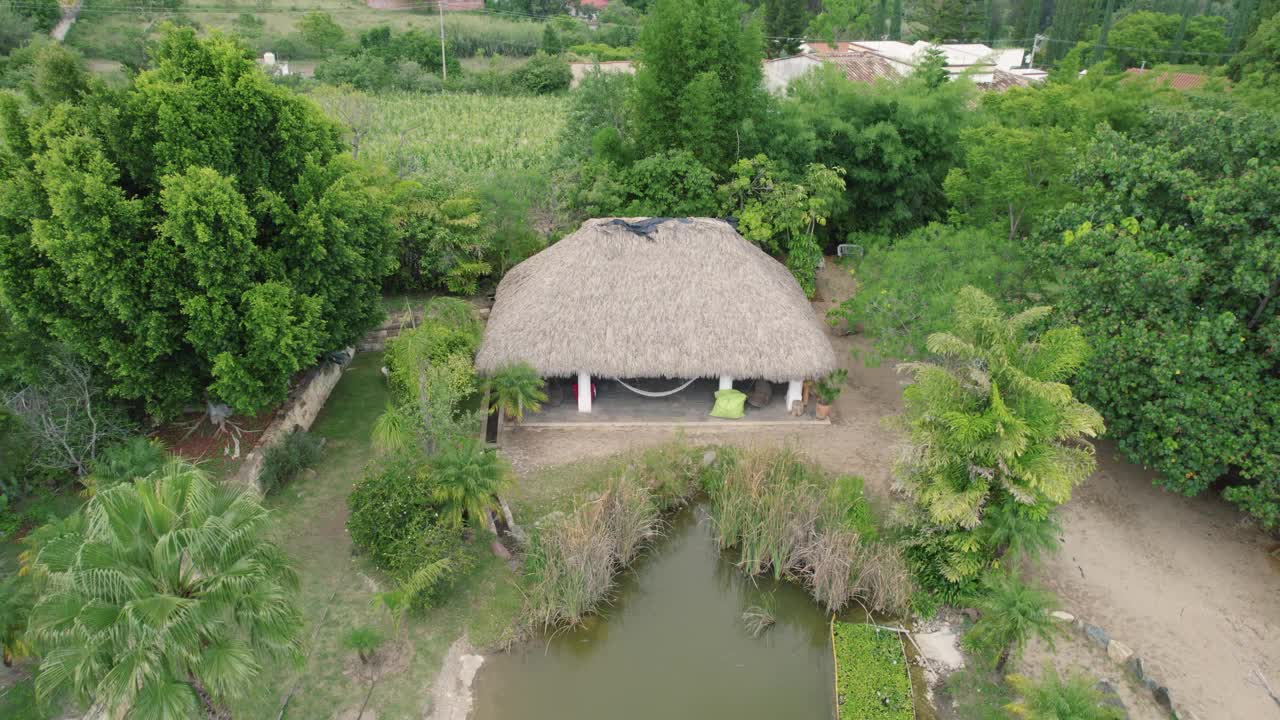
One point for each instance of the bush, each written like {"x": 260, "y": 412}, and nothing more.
{"x": 395, "y": 519}
{"x": 544, "y": 74}
{"x": 1053, "y": 697}
{"x": 364, "y": 640}
{"x": 872, "y": 679}
{"x": 603, "y": 53}
{"x": 285, "y": 460}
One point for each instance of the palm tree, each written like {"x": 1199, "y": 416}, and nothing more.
{"x": 466, "y": 478}
{"x": 517, "y": 388}
{"x": 160, "y": 598}
{"x": 1011, "y": 614}
{"x": 1056, "y": 698}
{"x": 992, "y": 416}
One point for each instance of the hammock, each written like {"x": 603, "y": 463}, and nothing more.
{"x": 648, "y": 393}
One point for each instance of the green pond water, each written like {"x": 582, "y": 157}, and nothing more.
{"x": 672, "y": 646}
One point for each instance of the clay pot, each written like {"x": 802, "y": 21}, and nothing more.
{"x": 822, "y": 412}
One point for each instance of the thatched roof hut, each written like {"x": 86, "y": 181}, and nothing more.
{"x": 669, "y": 298}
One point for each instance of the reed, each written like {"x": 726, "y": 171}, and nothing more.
{"x": 787, "y": 518}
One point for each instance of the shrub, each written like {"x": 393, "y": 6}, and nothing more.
{"x": 395, "y": 519}
{"x": 517, "y": 388}
{"x": 466, "y": 478}
{"x": 544, "y": 74}
{"x": 285, "y": 460}
{"x": 364, "y": 640}
{"x": 134, "y": 458}
{"x": 872, "y": 679}
{"x": 1053, "y": 697}
{"x": 602, "y": 53}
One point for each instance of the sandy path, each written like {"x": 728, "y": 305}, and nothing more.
{"x": 1177, "y": 579}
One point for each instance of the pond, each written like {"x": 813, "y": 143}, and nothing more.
{"x": 672, "y": 645}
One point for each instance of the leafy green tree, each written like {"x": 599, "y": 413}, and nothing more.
{"x": 599, "y": 102}
{"x": 17, "y": 597}
{"x": 895, "y": 21}
{"x": 161, "y": 598}
{"x": 782, "y": 216}
{"x": 321, "y": 31}
{"x": 197, "y": 235}
{"x": 444, "y": 241}
{"x": 699, "y": 80}
{"x": 1054, "y": 697}
{"x": 517, "y": 388}
{"x": 1016, "y": 531}
{"x": 466, "y": 478}
{"x": 931, "y": 68}
{"x": 1180, "y": 305}
{"x": 1141, "y": 37}
{"x": 991, "y": 419}
{"x": 1259, "y": 63}
{"x": 953, "y": 20}
{"x": 544, "y": 74}
{"x": 784, "y": 22}
{"x": 1011, "y": 613}
{"x": 895, "y": 141}
{"x": 15, "y": 30}
{"x": 1010, "y": 175}
{"x": 844, "y": 20}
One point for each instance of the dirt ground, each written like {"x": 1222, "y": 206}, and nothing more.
{"x": 1179, "y": 580}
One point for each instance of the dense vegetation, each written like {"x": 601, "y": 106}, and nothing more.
{"x": 871, "y": 673}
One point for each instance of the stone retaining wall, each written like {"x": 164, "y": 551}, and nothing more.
{"x": 298, "y": 413}
{"x": 1145, "y": 672}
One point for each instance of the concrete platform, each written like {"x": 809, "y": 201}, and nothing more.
{"x": 617, "y": 406}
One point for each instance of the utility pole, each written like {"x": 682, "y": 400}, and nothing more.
{"x": 1035, "y": 47}
{"x": 444, "y": 67}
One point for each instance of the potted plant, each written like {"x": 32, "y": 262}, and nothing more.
{"x": 828, "y": 389}
{"x": 517, "y": 388}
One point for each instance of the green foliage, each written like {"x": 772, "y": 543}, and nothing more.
{"x": 1054, "y": 697}
{"x": 600, "y": 101}
{"x": 699, "y": 80}
{"x": 906, "y": 290}
{"x": 1010, "y": 175}
{"x": 15, "y": 30}
{"x": 160, "y": 597}
{"x": 600, "y": 52}
{"x": 364, "y": 640}
{"x": 17, "y": 597}
{"x": 782, "y": 216}
{"x": 517, "y": 388}
{"x": 544, "y": 74}
{"x": 1011, "y": 613}
{"x": 287, "y": 459}
{"x": 321, "y": 31}
{"x": 828, "y": 387}
{"x": 872, "y": 679}
{"x": 396, "y": 520}
{"x": 1258, "y": 65}
{"x": 220, "y": 242}
{"x": 844, "y": 20}
{"x": 895, "y": 142}
{"x": 787, "y": 518}
{"x": 953, "y": 20}
{"x": 1180, "y": 306}
{"x": 1150, "y": 37}
{"x": 15, "y": 456}
{"x": 466, "y": 478}
{"x": 444, "y": 240}
{"x": 991, "y": 418}
{"x": 137, "y": 457}
{"x": 784, "y": 23}
{"x": 41, "y": 14}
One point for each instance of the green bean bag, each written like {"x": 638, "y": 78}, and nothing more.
{"x": 729, "y": 404}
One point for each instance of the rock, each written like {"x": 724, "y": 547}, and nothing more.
{"x": 1161, "y": 694}
{"x": 1135, "y": 667}
{"x": 500, "y": 550}
{"x": 309, "y": 473}
{"x": 708, "y": 458}
{"x": 1096, "y": 634}
{"x": 1110, "y": 698}
{"x": 1119, "y": 652}
{"x": 1061, "y": 616}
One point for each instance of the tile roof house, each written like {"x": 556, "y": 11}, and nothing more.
{"x": 1175, "y": 80}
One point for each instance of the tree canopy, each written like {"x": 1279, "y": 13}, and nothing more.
{"x": 199, "y": 235}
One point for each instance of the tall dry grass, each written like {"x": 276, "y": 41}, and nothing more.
{"x": 787, "y": 518}
{"x": 575, "y": 558}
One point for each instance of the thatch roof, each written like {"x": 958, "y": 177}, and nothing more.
{"x": 689, "y": 298}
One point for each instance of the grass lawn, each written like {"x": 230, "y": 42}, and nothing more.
{"x": 338, "y": 586}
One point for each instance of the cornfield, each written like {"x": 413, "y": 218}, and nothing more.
{"x": 464, "y": 140}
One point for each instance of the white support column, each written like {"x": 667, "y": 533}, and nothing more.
{"x": 795, "y": 390}
{"x": 584, "y": 392}
{"x": 726, "y": 382}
